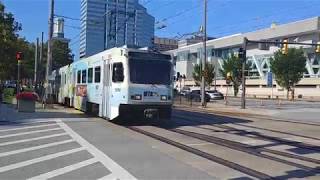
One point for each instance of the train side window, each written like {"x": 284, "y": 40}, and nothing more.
{"x": 84, "y": 76}
{"x": 65, "y": 78}
{"x": 97, "y": 74}
{"x": 90, "y": 75}
{"x": 79, "y": 77}
{"x": 117, "y": 72}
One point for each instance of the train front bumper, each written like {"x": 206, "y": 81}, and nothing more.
{"x": 145, "y": 110}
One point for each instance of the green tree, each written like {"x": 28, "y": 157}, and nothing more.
{"x": 288, "y": 69}
{"x": 61, "y": 54}
{"x": 208, "y": 74}
{"x": 233, "y": 65}
{"x": 8, "y": 41}
{"x": 10, "y": 44}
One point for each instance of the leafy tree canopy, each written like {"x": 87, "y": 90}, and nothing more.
{"x": 11, "y": 43}
{"x": 233, "y": 65}
{"x": 288, "y": 69}
{"x": 208, "y": 74}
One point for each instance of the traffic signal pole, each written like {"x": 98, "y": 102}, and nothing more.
{"x": 203, "y": 92}
{"x": 244, "y": 58}
{"x": 18, "y": 78}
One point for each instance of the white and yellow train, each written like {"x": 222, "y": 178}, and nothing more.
{"x": 119, "y": 82}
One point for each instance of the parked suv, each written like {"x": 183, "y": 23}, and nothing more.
{"x": 195, "y": 95}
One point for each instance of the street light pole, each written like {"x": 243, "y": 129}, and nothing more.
{"x": 36, "y": 64}
{"x": 49, "y": 56}
{"x": 203, "y": 99}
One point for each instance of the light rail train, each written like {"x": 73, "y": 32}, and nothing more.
{"x": 119, "y": 82}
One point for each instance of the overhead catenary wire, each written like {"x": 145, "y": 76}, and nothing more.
{"x": 230, "y": 28}
{"x": 179, "y": 13}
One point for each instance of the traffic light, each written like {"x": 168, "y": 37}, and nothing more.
{"x": 284, "y": 49}
{"x": 241, "y": 53}
{"x": 318, "y": 47}
{"x": 19, "y": 56}
{"x": 228, "y": 78}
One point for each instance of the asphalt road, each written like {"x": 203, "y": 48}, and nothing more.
{"x": 63, "y": 143}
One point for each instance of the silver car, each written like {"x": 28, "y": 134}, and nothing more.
{"x": 215, "y": 95}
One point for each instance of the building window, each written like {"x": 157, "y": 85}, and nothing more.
{"x": 79, "y": 77}
{"x": 84, "y": 76}
{"x": 90, "y": 75}
{"x": 97, "y": 74}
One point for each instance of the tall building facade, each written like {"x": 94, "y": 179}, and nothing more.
{"x": 113, "y": 23}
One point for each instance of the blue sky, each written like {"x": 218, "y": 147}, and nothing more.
{"x": 225, "y": 17}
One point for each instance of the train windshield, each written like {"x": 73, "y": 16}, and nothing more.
{"x": 150, "y": 71}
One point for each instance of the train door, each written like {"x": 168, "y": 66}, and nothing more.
{"x": 106, "y": 89}
{"x": 73, "y": 86}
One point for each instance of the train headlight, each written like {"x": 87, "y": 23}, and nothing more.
{"x": 136, "y": 97}
{"x": 164, "y": 97}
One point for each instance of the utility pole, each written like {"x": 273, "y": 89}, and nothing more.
{"x": 40, "y": 59}
{"x": 203, "y": 92}
{"x": 244, "y": 58}
{"x": 49, "y": 55}
{"x": 215, "y": 74}
{"x": 36, "y": 63}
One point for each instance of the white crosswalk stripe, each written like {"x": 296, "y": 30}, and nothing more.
{"x": 117, "y": 172}
{"x": 104, "y": 159}
{"x": 40, "y": 159}
{"x": 28, "y": 127}
{"x": 64, "y": 170}
{"x": 32, "y": 139}
{"x": 35, "y": 148}
{"x": 30, "y": 132}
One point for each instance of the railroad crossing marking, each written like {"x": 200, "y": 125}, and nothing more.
{"x": 117, "y": 172}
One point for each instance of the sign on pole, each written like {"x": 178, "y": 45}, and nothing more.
{"x": 269, "y": 79}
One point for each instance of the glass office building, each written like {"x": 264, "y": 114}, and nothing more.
{"x": 113, "y": 23}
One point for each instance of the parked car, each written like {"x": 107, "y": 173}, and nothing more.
{"x": 215, "y": 95}
{"x": 195, "y": 95}
{"x": 184, "y": 91}
{"x": 10, "y": 84}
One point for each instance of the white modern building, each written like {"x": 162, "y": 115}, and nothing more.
{"x": 113, "y": 23}
{"x": 306, "y": 31}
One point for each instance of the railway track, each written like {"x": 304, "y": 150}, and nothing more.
{"x": 247, "y": 115}
{"x": 259, "y": 152}
{"x": 268, "y": 138}
{"x": 235, "y": 166}
{"x": 258, "y": 135}
{"x": 249, "y": 149}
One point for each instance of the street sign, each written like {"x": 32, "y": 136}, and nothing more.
{"x": 269, "y": 79}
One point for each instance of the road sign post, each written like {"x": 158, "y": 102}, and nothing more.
{"x": 270, "y": 82}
